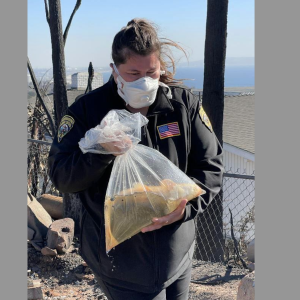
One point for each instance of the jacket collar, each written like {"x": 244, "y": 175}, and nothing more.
{"x": 161, "y": 105}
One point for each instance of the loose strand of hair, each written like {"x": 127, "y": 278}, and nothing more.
{"x": 168, "y": 77}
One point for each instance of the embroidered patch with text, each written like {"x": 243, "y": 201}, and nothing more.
{"x": 205, "y": 118}
{"x": 168, "y": 130}
{"x": 65, "y": 126}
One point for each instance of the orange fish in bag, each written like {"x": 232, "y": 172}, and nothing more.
{"x": 143, "y": 184}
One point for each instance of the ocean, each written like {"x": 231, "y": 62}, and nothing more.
{"x": 235, "y": 76}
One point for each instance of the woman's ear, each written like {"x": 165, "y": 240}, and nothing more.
{"x": 113, "y": 74}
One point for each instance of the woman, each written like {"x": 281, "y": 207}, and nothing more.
{"x": 155, "y": 263}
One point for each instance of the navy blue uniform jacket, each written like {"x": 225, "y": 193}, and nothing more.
{"x": 149, "y": 261}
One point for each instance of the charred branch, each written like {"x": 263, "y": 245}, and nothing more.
{"x": 47, "y": 12}
{"x": 78, "y": 3}
{"x": 33, "y": 79}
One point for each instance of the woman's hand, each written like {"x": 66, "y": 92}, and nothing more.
{"x": 118, "y": 147}
{"x": 174, "y": 216}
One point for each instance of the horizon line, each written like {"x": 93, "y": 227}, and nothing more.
{"x": 183, "y": 62}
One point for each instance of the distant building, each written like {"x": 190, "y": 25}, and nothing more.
{"x": 69, "y": 79}
{"x": 80, "y": 80}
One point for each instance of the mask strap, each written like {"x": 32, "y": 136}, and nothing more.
{"x": 120, "y": 78}
{"x": 116, "y": 70}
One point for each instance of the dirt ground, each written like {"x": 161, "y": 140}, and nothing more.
{"x": 67, "y": 277}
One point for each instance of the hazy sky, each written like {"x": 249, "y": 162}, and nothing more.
{"x": 96, "y": 22}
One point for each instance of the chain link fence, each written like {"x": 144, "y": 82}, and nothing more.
{"x": 222, "y": 231}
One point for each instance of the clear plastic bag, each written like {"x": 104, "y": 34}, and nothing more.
{"x": 118, "y": 126}
{"x": 143, "y": 184}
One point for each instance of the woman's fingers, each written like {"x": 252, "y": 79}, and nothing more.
{"x": 174, "y": 216}
{"x": 118, "y": 147}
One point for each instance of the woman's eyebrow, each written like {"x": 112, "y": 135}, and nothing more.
{"x": 134, "y": 70}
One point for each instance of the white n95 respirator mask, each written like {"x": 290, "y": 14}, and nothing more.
{"x": 139, "y": 93}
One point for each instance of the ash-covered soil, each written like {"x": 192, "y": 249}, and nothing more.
{"x": 67, "y": 277}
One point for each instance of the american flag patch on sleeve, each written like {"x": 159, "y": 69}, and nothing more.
{"x": 168, "y": 130}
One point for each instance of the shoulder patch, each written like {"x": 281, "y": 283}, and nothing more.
{"x": 65, "y": 126}
{"x": 205, "y": 118}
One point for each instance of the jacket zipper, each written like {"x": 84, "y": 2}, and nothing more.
{"x": 156, "y": 265}
{"x": 155, "y": 134}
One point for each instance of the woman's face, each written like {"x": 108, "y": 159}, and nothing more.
{"x": 138, "y": 66}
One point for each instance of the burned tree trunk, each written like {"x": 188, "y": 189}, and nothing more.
{"x": 90, "y": 79}
{"x": 72, "y": 208}
{"x": 213, "y": 103}
{"x": 58, "y": 60}
{"x": 71, "y": 203}
{"x": 214, "y": 64}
